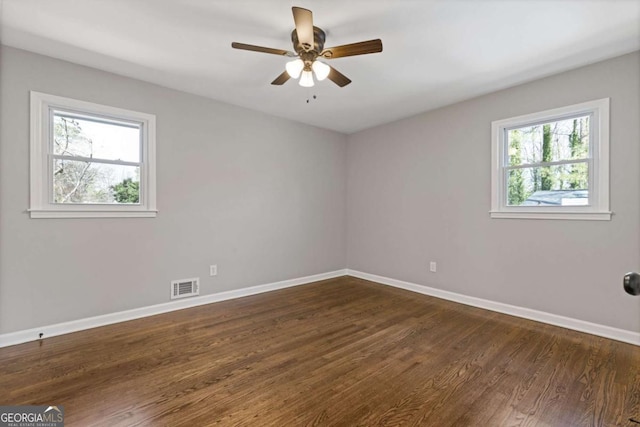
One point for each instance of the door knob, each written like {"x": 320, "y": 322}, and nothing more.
{"x": 632, "y": 283}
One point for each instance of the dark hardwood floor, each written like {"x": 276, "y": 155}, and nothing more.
{"x": 341, "y": 352}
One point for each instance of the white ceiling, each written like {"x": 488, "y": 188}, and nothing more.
{"x": 436, "y": 52}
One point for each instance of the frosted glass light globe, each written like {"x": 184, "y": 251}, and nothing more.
{"x": 321, "y": 69}
{"x": 294, "y": 68}
{"x": 306, "y": 79}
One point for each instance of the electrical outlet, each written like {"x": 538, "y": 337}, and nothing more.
{"x": 213, "y": 270}
{"x": 432, "y": 266}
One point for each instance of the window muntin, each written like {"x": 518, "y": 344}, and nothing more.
{"x": 552, "y": 164}
{"x": 90, "y": 160}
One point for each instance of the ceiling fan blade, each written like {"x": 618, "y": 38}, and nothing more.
{"x": 253, "y": 48}
{"x": 304, "y": 26}
{"x": 281, "y": 79}
{"x": 361, "y": 48}
{"x": 337, "y": 77}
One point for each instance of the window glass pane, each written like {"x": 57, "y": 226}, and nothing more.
{"x": 560, "y": 185}
{"x": 91, "y": 182}
{"x": 549, "y": 142}
{"x": 99, "y": 138}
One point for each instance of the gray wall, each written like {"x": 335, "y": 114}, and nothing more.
{"x": 261, "y": 197}
{"x": 419, "y": 190}
{"x": 265, "y": 199}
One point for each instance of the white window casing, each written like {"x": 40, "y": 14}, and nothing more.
{"x": 42, "y": 204}
{"x": 598, "y": 164}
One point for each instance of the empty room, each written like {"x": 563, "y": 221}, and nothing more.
{"x": 356, "y": 213}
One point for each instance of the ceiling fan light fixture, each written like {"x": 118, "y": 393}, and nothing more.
{"x": 294, "y": 68}
{"x": 308, "y": 45}
{"x": 306, "y": 79}
{"x": 321, "y": 70}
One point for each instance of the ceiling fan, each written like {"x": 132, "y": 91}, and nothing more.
{"x": 308, "y": 44}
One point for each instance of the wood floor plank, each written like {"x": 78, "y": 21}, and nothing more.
{"x": 342, "y": 352}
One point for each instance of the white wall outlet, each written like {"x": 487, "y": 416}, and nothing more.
{"x": 432, "y": 266}
{"x": 213, "y": 270}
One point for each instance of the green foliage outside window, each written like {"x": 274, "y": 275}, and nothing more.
{"x": 560, "y": 141}
{"x": 127, "y": 191}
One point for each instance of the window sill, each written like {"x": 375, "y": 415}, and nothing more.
{"x": 576, "y": 216}
{"x": 92, "y": 214}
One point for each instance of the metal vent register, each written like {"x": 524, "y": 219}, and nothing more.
{"x": 185, "y": 288}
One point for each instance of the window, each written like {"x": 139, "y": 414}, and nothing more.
{"x": 90, "y": 160}
{"x": 553, "y": 164}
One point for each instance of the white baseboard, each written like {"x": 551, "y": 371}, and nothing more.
{"x": 23, "y": 336}
{"x": 623, "y": 335}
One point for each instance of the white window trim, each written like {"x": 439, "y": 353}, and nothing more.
{"x": 40, "y": 205}
{"x": 599, "y": 166}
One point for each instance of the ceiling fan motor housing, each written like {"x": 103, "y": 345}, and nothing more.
{"x": 318, "y": 42}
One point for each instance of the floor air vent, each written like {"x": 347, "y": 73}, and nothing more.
{"x": 185, "y": 288}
